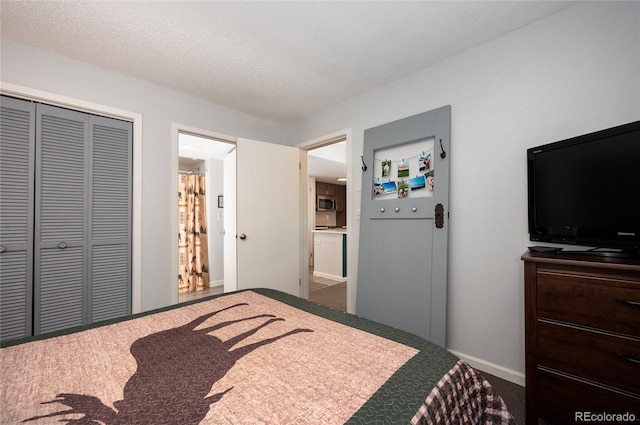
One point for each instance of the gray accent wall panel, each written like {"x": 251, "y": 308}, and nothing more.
{"x": 397, "y": 284}
{"x": 402, "y": 262}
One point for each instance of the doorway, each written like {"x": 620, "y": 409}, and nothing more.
{"x": 200, "y": 215}
{"x": 257, "y": 213}
{"x": 255, "y": 227}
{"x": 327, "y": 222}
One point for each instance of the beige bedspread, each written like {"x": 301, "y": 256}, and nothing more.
{"x": 241, "y": 358}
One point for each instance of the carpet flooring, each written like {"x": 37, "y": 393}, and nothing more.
{"x": 333, "y": 296}
{"x": 512, "y": 394}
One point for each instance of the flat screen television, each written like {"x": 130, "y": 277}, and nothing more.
{"x": 586, "y": 191}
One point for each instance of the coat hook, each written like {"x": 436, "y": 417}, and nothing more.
{"x": 364, "y": 166}
{"x": 443, "y": 154}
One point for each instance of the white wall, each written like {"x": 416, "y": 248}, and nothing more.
{"x": 574, "y": 72}
{"x": 41, "y": 70}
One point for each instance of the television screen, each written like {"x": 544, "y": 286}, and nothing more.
{"x": 586, "y": 190}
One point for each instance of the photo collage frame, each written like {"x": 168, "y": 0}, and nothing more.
{"x": 404, "y": 171}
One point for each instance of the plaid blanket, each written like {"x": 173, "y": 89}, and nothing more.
{"x": 463, "y": 397}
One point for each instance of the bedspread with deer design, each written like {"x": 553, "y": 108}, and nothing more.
{"x": 255, "y": 357}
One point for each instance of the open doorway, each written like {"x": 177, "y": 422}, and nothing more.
{"x": 200, "y": 215}
{"x": 327, "y": 219}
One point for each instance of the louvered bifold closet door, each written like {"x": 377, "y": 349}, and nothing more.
{"x": 17, "y": 138}
{"x": 110, "y": 218}
{"x": 83, "y": 219}
{"x": 61, "y": 278}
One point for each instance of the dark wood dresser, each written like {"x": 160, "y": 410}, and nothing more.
{"x": 582, "y": 338}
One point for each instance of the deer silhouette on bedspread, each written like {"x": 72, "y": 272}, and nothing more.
{"x": 176, "y": 369}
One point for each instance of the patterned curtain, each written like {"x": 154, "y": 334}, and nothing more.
{"x": 193, "y": 257}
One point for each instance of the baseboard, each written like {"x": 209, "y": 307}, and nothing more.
{"x": 330, "y": 276}
{"x": 492, "y": 368}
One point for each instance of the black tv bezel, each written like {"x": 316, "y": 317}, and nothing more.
{"x": 626, "y": 246}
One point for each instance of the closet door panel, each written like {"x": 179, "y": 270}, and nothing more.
{"x": 17, "y": 144}
{"x": 62, "y": 177}
{"x": 61, "y": 295}
{"x": 110, "y": 218}
{"x": 110, "y": 179}
{"x": 61, "y": 219}
{"x": 65, "y": 218}
{"x": 110, "y": 291}
{"x": 15, "y": 295}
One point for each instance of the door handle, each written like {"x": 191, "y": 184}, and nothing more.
{"x": 2, "y": 249}
{"x": 62, "y": 245}
{"x": 243, "y": 236}
{"x": 439, "y": 216}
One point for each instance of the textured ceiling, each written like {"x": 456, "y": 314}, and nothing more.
{"x": 275, "y": 60}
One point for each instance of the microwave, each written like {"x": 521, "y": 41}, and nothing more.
{"x": 325, "y": 203}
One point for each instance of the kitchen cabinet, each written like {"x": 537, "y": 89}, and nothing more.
{"x": 340, "y": 197}
{"x": 339, "y": 192}
{"x": 327, "y": 189}
{"x": 341, "y": 205}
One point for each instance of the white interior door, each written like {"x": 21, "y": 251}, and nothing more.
{"x": 229, "y": 239}
{"x": 268, "y": 217}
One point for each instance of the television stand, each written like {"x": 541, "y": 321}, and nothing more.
{"x": 629, "y": 254}
{"x": 582, "y": 336}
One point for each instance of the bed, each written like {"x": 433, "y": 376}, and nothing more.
{"x": 256, "y": 356}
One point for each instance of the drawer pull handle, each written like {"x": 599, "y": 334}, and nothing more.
{"x": 633, "y": 303}
{"x": 628, "y": 359}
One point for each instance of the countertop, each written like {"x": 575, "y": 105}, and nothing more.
{"x": 330, "y": 230}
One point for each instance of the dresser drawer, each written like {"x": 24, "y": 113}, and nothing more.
{"x": 561, "y": 399}
{"x": 606, "y": 359}
{"x": 612, "y": 305}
